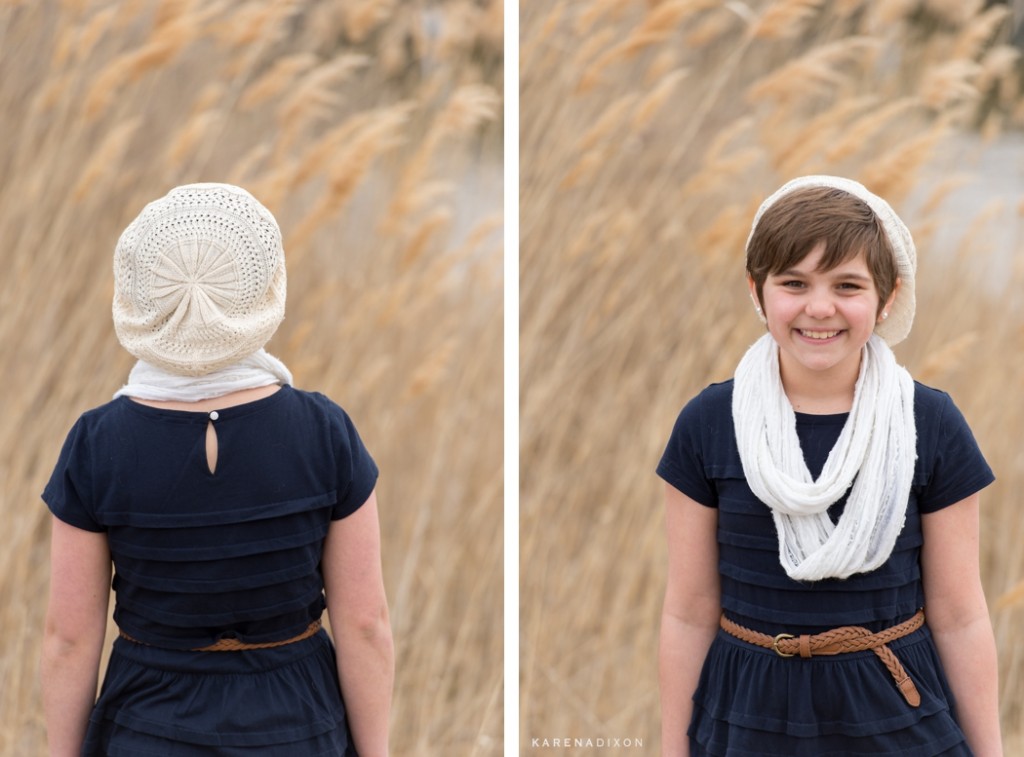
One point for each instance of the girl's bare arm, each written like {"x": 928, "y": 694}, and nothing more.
{"x": 690, "y": 614}
{"x": 957, "y": 614}
{"x": 358, "y": 610}
{"x": 76, "y": 624}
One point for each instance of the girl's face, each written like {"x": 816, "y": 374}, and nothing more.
{"x": 822, "y": 319}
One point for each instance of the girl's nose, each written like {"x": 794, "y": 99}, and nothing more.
{"x": 820, "y": 305}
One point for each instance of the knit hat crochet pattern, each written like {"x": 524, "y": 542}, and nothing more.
{"x": 199, "y": 279}
{"x": 901, "y": 315}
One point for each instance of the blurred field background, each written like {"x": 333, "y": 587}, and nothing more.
{"x": 650, "y": 132}
{"x": 372, "y": 129}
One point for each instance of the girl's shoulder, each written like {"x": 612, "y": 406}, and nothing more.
{"x": 714, "y": 399}
{"x": 705, "y": 422}
{"x": 936, "y": 414}
{"x": 319, "y": 403}
{"x": 720, "y": 391}
{"x": 950, "y": 464}
{"x": 711, "y": 407}
{"x": 929, "y": 399}
{"x": 938, "y": 418}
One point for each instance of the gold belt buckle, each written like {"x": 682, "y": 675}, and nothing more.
{"x": 775, "y": 644}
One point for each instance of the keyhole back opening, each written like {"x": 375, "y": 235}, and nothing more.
{"x": 211, "y": 447}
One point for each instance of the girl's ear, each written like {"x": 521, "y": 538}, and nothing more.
{"x": 887, "y": 305}
{"x": 753, "y": 298}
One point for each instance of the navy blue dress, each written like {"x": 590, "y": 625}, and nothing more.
{"x": 749, "y": 700}
{"x": 201, "y": 556}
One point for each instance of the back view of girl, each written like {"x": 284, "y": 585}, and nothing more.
{"x": 227, "y": 508}
{"x": 823, "y": 591}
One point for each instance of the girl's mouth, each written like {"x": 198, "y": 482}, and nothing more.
{"x": 820, "y": 336}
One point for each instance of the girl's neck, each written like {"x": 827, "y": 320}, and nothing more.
{"x": 233, "y": 399}
{"x": 819, "y": 392}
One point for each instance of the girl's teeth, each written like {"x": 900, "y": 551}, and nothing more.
{"x": 819, "y": 334}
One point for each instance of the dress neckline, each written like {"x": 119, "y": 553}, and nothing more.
{"x": 225, "y": 413}
{"x": 825, "y": 419}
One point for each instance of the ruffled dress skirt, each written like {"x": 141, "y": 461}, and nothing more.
{"x": 278, "y": 702}
{"x": 750, "y": 702}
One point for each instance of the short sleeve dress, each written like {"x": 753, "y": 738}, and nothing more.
{"x": 201, "y": 556}
{"x": 750, "y": 701}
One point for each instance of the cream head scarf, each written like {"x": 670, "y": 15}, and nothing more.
{"x": 199, "y": 289}
{"x": 874, "y": 457}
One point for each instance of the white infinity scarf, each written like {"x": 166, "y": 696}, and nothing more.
{"x": 148, "y": 382}
{"x": 875, "y": 453}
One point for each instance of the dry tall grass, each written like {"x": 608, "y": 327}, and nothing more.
{"x": 370, "y": 129}
{"x": 650, "y": 131}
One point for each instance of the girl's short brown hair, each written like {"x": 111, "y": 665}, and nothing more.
{"x": 800, "y": 220}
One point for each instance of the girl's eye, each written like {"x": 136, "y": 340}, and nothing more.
{"x": 849, "y": 286}
{"x": 792, "y": 284}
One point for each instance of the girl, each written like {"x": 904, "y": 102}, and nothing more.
{"x": 229, "y": 504}
{"x": 815, "y": 504}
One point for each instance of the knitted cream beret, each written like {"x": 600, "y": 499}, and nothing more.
{"x": 199, "y": 279}
{"x": 895, "y": 328}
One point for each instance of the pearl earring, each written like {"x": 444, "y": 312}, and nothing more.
{"x": 760, "y": 314}
{"x": 885, "y": 315}
{"x": 757, "y": 306}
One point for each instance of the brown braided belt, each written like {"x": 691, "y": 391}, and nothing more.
{"x": 234, "y": 645}
{"x": 839, "y": 641}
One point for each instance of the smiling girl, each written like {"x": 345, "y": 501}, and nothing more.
{"x": 819, "y": 507}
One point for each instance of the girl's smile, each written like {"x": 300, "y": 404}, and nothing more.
{"x": 818, "y": 336}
